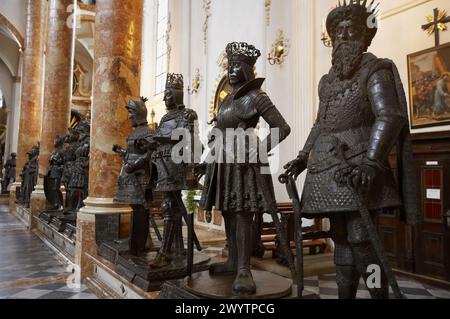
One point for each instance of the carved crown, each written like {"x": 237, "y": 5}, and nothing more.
{"x": 244, "y": 52}
{"x": 174, "y": 81}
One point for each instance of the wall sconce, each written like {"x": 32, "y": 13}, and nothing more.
{"x": 195, "y": 83}
{"x": 280, "y": 49}
{"x": 153, "y": 125}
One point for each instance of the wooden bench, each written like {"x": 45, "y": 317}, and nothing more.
{"x": 314, "y": 238}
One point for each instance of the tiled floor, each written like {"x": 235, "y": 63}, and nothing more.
{"x": 28, "y": 268}
{"x": 325, "y": 286}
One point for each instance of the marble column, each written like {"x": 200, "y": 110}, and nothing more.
{"x": 57, "y": 88}
{"x": 32, "y": 78}
{"x": 117, "y": 59}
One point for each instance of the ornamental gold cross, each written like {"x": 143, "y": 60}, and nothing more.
{"x": 437, "y": 23}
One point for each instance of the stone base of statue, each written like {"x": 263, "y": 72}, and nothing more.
{"x": 204, "y": 286}
{"x": 60, "y": 223}
{"x": 138, "y": 270}
{"x": 48, "y": 215}
{"x": 64, "y": 243}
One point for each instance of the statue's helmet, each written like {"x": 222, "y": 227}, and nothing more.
{"x": 244, "y": 53}
{"x": 13, "y": 155}
{"x": 138, "y": 109}
{"x": 360, "y": 13}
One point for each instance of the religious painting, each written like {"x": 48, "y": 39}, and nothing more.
{"x": 429, "y": 87}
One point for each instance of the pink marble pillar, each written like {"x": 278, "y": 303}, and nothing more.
{"x": 117, "y": 63}
{"x": 32, "y": 74}
{"x": 31, "y": 95}
{"x": 57, "y": 87}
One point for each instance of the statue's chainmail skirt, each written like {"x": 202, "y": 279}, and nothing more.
{"x": 238, "y": 188}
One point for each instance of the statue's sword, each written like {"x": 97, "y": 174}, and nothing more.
{"x": 293, "y": 195}
{"x": 284, "y": 243}
{"x": 371, "y": 230}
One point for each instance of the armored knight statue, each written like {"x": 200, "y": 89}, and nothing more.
{"x": 135, "y": 180}
{"x": 362, "y": 115}
{"x": 10, "y": 173}
{"x": 172, "y": 177}
{"x": 239, "y": 189}
{"x": 71, "y": 145}
{"x": 52, "y": 181}
{"x": 29, "y": 176}
{"x": 77, "y": 188}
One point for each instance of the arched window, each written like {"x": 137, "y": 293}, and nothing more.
{"x": 2, "y": 100}
{"x": 161, "y": 45}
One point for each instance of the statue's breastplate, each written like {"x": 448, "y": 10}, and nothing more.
{"x": 344, "y": 104}
{"x": 239, "y": 113}
{"x": 169, "y": 123}
{"x": 141, "y": 132}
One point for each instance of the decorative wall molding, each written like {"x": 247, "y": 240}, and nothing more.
{"x": 403, "y": 8}
{"x": 168, "y": 45}
{"x": 268, "y": 6}
{"x": 207, "y": 10}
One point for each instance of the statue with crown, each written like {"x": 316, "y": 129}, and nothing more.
{"x": 362, "y": 116}
{"x": 172, "y": 175}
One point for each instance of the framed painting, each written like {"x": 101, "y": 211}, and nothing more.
{"x": 429, "y": 87}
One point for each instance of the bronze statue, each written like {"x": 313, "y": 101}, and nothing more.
{"x": 362, "y": 115}
{"x": 172, "y": 177}
{"x": 71, "y": 145}
{"x": 77, "y": 186}
{"x": 52, "y": 181}
{"x": 239, "y": 190}
{"x": 29, "y": 177}
{"x": 10, "y": 173}
{"x": 135, "y": 180}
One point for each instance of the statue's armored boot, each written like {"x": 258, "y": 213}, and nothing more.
{"x": 244, "y": 283}
{"x": 347, "y": 279}
{"x": 139, "y": 229}
{"x": 230, "y": 266}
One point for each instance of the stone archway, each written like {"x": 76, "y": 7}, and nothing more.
{"x": 18, "y": 37}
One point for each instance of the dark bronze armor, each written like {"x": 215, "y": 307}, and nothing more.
{"x": 29, "y": 177}
{"x": 238, "y": 188}
{"x": 134, "y": 186}
{"x": 10, "y": 173}
{"x": 172, "y": 177}
{"x": 52, "y": 181}
{"x": 362, "y": 116}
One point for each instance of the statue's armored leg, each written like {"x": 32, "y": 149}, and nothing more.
{"x": 178, "y": 242}
{"x": 163, "y": 257}
{"x": 365, "y": 255}
{"x": 347, "y": 276}
{"x": 230, "y": 266}
{"x": 139, "y": 229}
{"x": 244, "y": 283}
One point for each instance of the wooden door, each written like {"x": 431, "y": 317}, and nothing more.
{"x": 432, "y": 238}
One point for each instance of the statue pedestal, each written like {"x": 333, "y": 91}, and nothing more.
{"x": 38, "y": 203}
{"x": 137, "y": 270}
{"x": 99, "y": 221}
{"x": 204, "y": 286}
{"x": 12, "y": 197}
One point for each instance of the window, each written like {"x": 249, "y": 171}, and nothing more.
{"x": 2, "y": 100}
{"x": 161, "y": 47}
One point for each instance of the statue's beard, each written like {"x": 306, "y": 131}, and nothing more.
{"x": 347, "y": 56}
